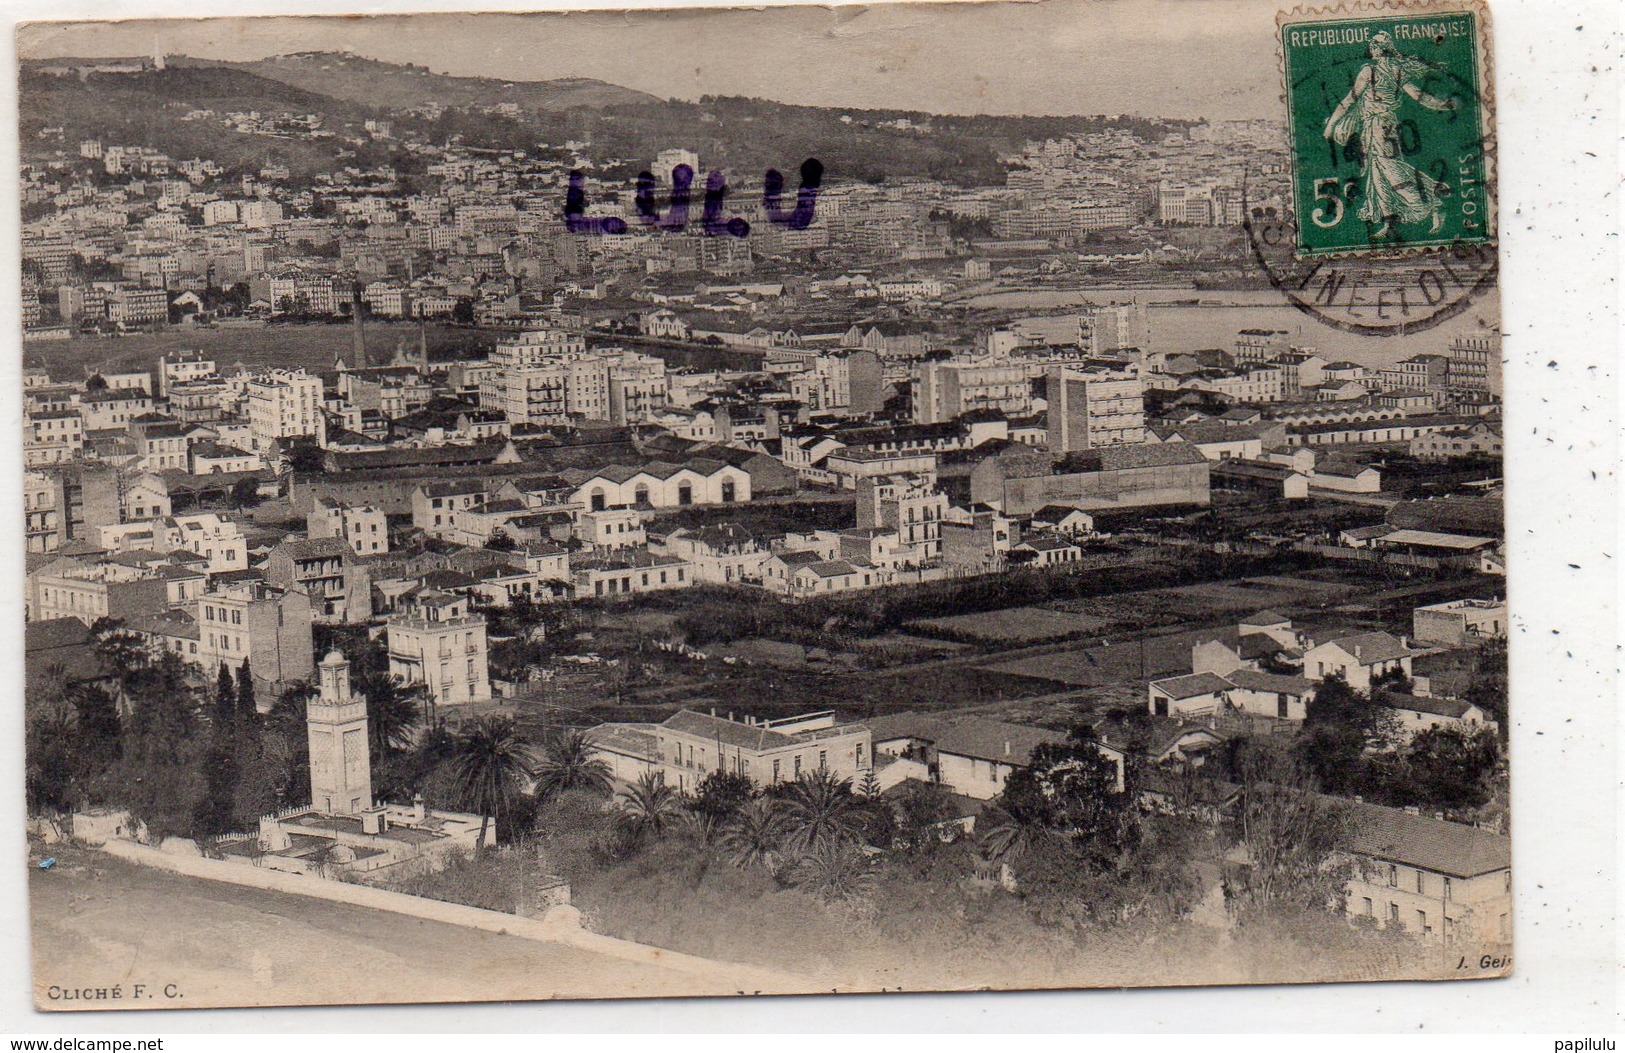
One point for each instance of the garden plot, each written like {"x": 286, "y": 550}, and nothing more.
{"x": 1016, "y": 625}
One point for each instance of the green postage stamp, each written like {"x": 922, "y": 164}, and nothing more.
{"x": 1389, "y": 120}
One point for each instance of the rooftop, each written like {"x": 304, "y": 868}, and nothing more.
{"x": 1192, "y": 685}
{"x": 1369, "y": 648}
{"x": 1435, "y": 539}
{"x": 995, "y": 741}
{"x": 1394, "y": 835}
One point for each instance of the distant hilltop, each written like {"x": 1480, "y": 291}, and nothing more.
{"x": 324, "y": 96}
{"x": 400, "y": 86}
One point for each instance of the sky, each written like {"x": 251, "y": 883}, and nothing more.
{"x": 1155, "y": 58}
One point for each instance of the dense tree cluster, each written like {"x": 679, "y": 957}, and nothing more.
{"x": 1351, "y": 744}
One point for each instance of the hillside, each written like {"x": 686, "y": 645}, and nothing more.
{"x": 389, "y": 86}
{"x": 146, "y": 109}
{"x": 625, "y": 128}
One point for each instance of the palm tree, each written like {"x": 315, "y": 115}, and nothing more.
{"x": 393, "y": 714}
{"x": 488, "y": 768}
{"x": 50, "y": 693}
{"x": 648, "y": 806}
{"x": 818, "y": 807}
{"x": 703, "y": 827}
{"x": 1007, "y": 834}
{"x": 752, "y": 838}
{"x": 834, "y": 872}
{"x": 289, "y": 707}
{"x": 568, "y": 763}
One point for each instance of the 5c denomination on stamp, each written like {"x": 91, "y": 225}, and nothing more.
{"x": 1388, "y": 111}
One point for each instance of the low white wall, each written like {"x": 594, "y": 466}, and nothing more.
{"x": 741, "y": 977}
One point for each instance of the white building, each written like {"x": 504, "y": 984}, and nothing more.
{"x": 437, "y": 643}
{"x": 1089, "y": 409}
{"x": 363, "y": 527}
{"x": 285, "y": 404}
{"x": 547, "y": 376}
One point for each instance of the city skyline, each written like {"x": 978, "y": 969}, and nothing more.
{"x": 1008, "y": 568}
{"x": 1105, "y": 56}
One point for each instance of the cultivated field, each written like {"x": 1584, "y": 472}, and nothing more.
{"x": 1015, "y": 625}
{"x": 1209, "y": 599}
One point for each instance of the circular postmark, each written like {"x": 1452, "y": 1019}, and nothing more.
{"x": 1375, "y": 295}
{"x": 1389, "y": 223}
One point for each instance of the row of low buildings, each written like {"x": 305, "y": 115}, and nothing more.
{"x": 1423, "y": 875}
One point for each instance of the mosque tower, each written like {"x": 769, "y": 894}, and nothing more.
{"x": 336, "y": 722}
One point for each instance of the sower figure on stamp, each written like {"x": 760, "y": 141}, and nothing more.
{"x": 1394, "y": 190}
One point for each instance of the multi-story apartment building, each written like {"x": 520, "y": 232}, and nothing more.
{"x": 911, "y": 505}
{"x": 182, "y": 368}
{"x": 53, "y": 437}
{"x": 434, "y": 641}
{"x": 90, "y": 495}
{"x": 612, "y": 528}
{"x": 1473, "y": 371}
{"x": 259, "y": 214}
{"x": 364, "y": 528}
{"x": 848, "y": 381}
{"x": 1252, "y": 384}
{"x": 394, "y": 391}
{"x": 387, "y": 299}
{"x": 306, "y": 294}
{"x": 162, "y": 444}
{"x": 329, "y": 572}
{"x": 622, "y": 572}
{"x": 130, "y": 305}
{"x": 108, "y": 588}
{"x": 1091, "y": 409}
{"x": 1423, "y": 373}
{"x": 1101, "y": 215}
{"x": 944, "y": 391}
{"x": 219, "y": 211}
{"x": 1109, "y": 328}
{"x": 723, "y": 554}
{"x": 435, "y": 506}
{"x": 110, "y": 408}
{"x": 537, "y": 347}
{"x": 43, "y": 522}
{"x": 635, "y": 383}
{"x": 547, "y": 377}
{"x": 266, "y": 626}
{"x": 285, "y": 404}
{"x": 220, "y": 541}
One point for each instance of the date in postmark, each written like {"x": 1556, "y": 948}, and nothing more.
{"x": 1388, "y": 119}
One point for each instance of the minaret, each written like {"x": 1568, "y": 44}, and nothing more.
{"x": 336, "y": 722}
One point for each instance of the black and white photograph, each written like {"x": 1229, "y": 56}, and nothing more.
{"x": 706, "y": 502}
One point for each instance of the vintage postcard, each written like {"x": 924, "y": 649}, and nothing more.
{"x": 711, "y": 502}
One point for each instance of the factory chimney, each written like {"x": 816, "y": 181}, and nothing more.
{"x": 359, "y": 330}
